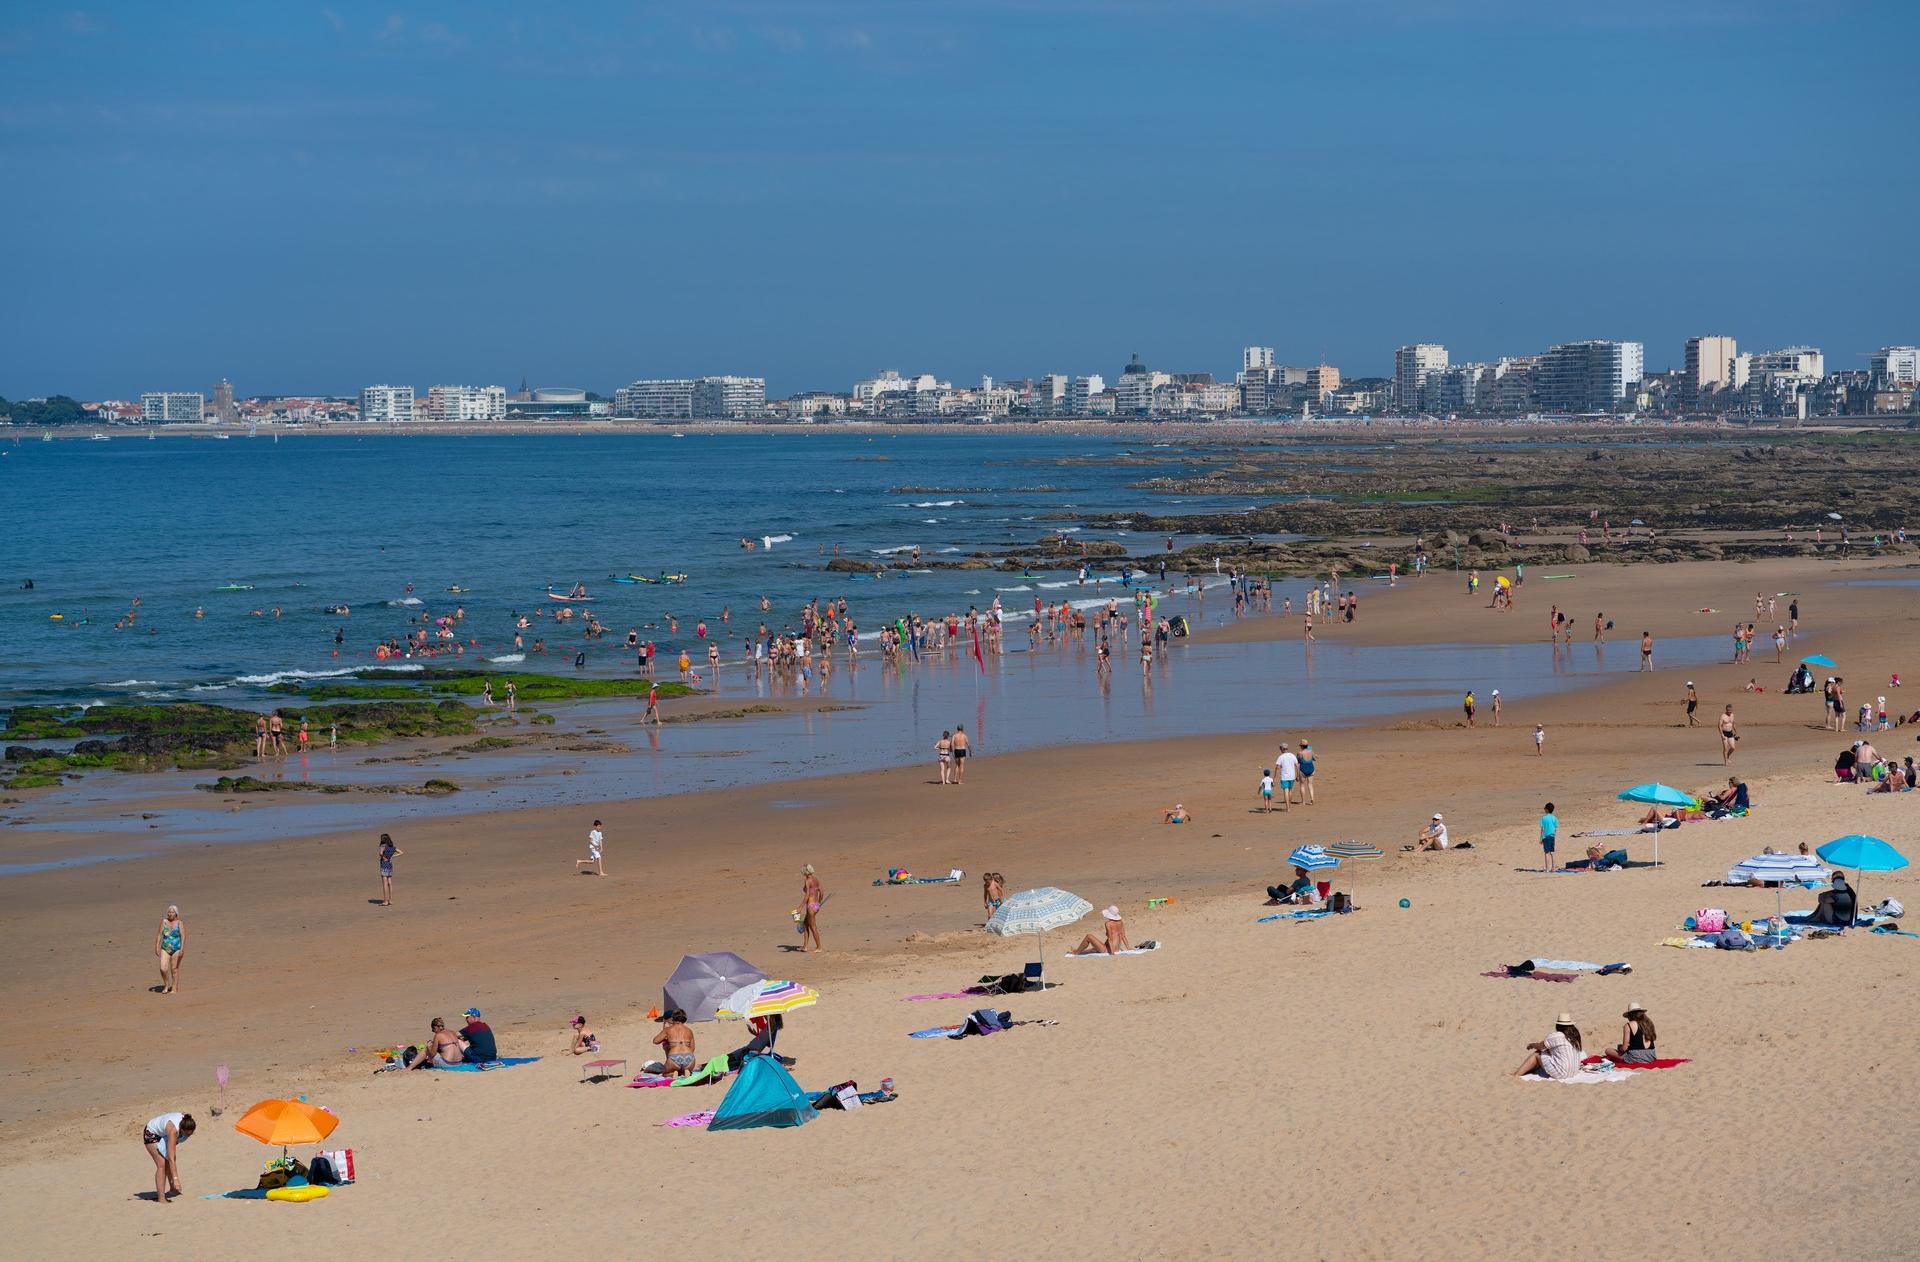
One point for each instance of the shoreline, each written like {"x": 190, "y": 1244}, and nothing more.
{"x": 490, "y": 913}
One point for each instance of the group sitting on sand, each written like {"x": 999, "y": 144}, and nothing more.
{"x": 472, "y": 1044}
{"x": 1560, "y": 1054}
{"x": 1714, "y": 804}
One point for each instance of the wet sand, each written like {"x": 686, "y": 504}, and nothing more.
{"x": 1339, "y": 1083}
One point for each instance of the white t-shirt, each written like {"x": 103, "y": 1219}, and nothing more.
{"x": 1440, "y": 836}
{"x": 1288, "y": 765}
{"x": 593, "y": 843}
{"x": 159, "y": 1127}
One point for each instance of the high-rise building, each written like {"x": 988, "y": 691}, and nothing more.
{"x": 664, "y": 398}
{"x": 1050, "y": 391}
{"x": 223, "y": 409}
{"x": 467, "y": 403}
{"x": 1590, "y": 376}
{"x": 1794, "y": 361}
{"x": 1412, "y": 366}
{"x": 1133, "y": 393}
{"x": 386, "y": 405}
{"x": 1323, "y": 380}
{"x": 1460, "y": 389}
{"x": 729, "y": 396}
{"x": 172, "y": 407}
{"x": 1895, "y": 366}
{"x": 1081, "y": 393}
{"x": 1256, "y": 358}
{"x": 1710, "y": 368}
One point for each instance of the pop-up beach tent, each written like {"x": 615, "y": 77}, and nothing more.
{"x": 764, "y": 1094}
{"x": 702, "y": 983}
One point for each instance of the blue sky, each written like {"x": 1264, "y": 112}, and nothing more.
{"x": 315, "y": 197}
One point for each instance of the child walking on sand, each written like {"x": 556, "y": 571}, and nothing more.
{"x": 593, "y": 859}
{"x": 1266, "y": 790}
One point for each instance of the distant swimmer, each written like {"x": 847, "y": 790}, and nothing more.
{"x": 27, "y": 586}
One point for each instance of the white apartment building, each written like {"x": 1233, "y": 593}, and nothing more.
{"x": 664, "y": 398}
{"x": 172, "y": 407}
{"x": 1897, "y": 365}
{"x": 1133, "y": 393}
{"x": 729, "y": 396}
{"x": 467, "y": 403}
{"x": 1412, "y": 367}
{"x": 1081, "y": 393}
{"x": 1793, "y": 361}
{"x": 386, "y": 404}
{"x": 1711, "y": 364}
{"x": 1590, "y": 376}
{"x": 1256, "y": 358}
{"x": 1050, "y": 391}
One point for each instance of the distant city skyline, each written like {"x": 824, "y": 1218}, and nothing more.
{"x": 310, "y": 201}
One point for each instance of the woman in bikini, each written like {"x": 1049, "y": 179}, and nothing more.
{"x": 675, "y": 1040}
{"x": 811, "y": 897}
{"x": 943, "y": 749}
{"x": 169, "y": 943}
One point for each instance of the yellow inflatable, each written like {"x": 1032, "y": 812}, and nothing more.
{"x": 309, "y": 1193}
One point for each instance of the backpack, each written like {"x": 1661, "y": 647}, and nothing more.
{"x": 1710, "y": 920}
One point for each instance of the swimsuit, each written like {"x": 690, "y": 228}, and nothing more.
{"x": 170, "y": 940}
{"x": 681, "y": 1060}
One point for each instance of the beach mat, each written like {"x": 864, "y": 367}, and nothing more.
{"x": 1585, "y": 1077}
{"x": 1652, "y": 1064}
{"x": 505, "y": 1062}
{"x": 689, "y": 1119}
{"x": 1316, "y": 914}
{"x": 1534, "y": 977}
{"x": 1139, "y": 950}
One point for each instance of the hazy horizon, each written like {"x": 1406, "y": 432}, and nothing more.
{"x": 307, "y": 202}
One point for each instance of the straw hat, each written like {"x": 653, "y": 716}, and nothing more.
{"x": 1633, "y": 1008}
{"x": 1566, "y": 1018}
{"x": 1111, "y": 912}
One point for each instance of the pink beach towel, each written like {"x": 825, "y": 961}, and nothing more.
{"x": 1651, "y": 1064}
{"x": 689, "y": 1119}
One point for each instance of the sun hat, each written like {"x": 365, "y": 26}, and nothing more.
{"x": 1111, "y": 912}
{"x": 1633, "y": 1008}
{"x": 1566, "y": 1018}
{"x": 1689, "y": 683}
{"x": 1438, "y": 815}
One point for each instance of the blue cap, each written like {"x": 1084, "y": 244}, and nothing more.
{"x": 473, "y": 1012}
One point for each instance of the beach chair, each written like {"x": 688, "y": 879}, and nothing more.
{"x": 1031, "y": 978}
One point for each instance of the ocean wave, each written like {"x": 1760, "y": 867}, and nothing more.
{"x": 1054, "y": 586}
{"x": 405, "y": 600}
{"x": 509, "y": 657}
{"x": 283, "y": 676}
{"x": 949, "y": 549}
{"x": 133, "y": 683}
{"x": 887, "y": 552}
{"x": 1022, "y": 588}
{"x": 931, "y": 504}
{"x": 930, "y": 521}
{"x": 209, "y": 687}
{"x": 767, "y": 541}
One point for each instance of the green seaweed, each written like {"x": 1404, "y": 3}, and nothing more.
{"x": 379, "y": 684}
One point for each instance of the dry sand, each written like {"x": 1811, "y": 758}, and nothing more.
{"x": 1328, "y": 1089}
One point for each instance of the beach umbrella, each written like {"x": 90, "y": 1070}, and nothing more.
{"x": 1658, "y": 795}
{"x": 1819, "y": 659}
{"x": 1356, "y": 850}
{"x": 1863, "y": 854}
{"x": 701, "y": 983}
{"x": 286, "y": 1122}
{"x": 1038, "y": 912}
{"x": 1783, "y": 869}
{"x": 1312, "y": 858}
{"x": 765, "y": 999}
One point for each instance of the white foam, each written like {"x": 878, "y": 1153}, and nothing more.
{"x": 133, "y": 683}
{"x": 1054, "y": 586}
{"x": 1022, "y": 588}
{"x": 209, "y": 688}
{"x": 767, "y": 541}
{"x": 406, "y": 600}
{"x": 931, "y": 504}
{"x": 949, "y": 549}
{"x": 887, "y": 552}
{"x": 282, "y": 676}
{"x": 509, "y": 657}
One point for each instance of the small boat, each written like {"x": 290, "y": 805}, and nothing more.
{"x": 223, "y": 437}
{"x": 616, "y": 578}
{"x": 98, "y": 438}
{"x": 234, "y": 587}
{"x": 459, "y": 590}
{"x": 553, "y": 595}
{"x": 664, "y": 578}
{"x": 46, "y": 435}
{"x": 677, "y": 434}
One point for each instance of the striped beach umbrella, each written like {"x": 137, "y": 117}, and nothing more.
{"x": 1784, "y": 869}
{"x": 1355, "y": 850}
{"x": 1312, "y": 858}
{"x": 1038, "y": 912}
{"x": 765, "y": 998}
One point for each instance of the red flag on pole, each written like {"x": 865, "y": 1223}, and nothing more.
{"x": 976, "y": 648}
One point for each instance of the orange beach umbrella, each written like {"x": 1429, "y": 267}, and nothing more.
{"x": 285, "y": 1122}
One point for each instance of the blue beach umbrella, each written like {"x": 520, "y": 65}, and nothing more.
{"x": 1863, "y": 854}
{"x": 1312, "y": 858}
{"x": 1658, "y": 795}
{"x": 1037, "y": 911}
{"x": 1819, "y": 659}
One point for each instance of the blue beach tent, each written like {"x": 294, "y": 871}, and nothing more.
{"x": 764, "y": 1094}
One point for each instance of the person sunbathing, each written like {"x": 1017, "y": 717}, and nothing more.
{"x": 1557, "y": 1055}
{"x": 1178, "y": 815}
{"x": 1115, "y": 941}
{"x": 1895, "y": 782}
{"x": 676, "y": 1042}
{"x": 442, "y": 1050}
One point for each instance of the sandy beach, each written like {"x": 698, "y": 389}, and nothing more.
{"x": 1329, "y": 1088}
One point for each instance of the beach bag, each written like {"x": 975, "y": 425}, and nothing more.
{"x": 1710, "y": 920}
{"x": 1732, "y": 940}
{"x": 333, "y": 1166}
{"x": 1890, "y": 907}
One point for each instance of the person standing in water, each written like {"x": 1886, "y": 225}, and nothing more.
{"x": 388, "y": 852}
{"x": 812, "y": 896}
{"x": 170, "y": 944}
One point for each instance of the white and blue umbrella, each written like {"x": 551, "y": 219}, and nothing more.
{"x": 1783, "y": 869}
{"x": 1038, "y": 912}
{"x": 1354, "y": 849}
{"x": 1312, "y": 858}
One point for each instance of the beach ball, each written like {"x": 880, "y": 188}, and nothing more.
{"x": 1689, "y": 923}
{"x": 1406, "y": 903}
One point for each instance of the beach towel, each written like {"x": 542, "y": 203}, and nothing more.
{"x": 505, "y": 1062}
{"x": 1572, "y": 966}
{"x": 1584, "y": 1078}
{"x": 1315, "y": 914}
{"x": 1903, "y": 933}
{"x": 1139, "y": 950}
{"x": 947, "y": 994}
{"x": 699, "y": 1119}
{"x": 1535, "y": 977}
{"x": 1647, "y": 1064}
{"x": 714, "y": 1070}
{"x": 1613, "y": 832}
{"x": 935, "y": 1032}
{"x": 952, "y": 878}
